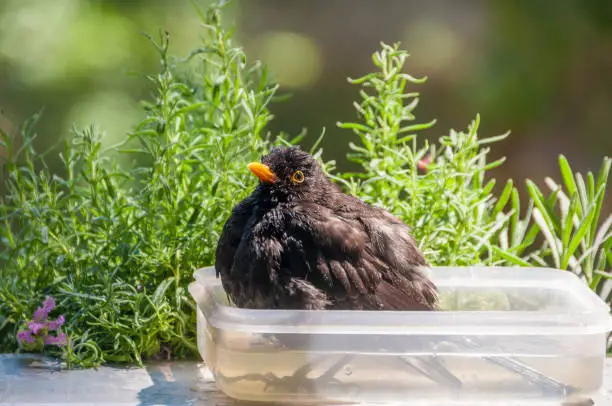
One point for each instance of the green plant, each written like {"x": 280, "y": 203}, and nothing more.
{"x": 451, "y": 206}
{"x": 454, "y": 213}
{"x": 569, "y": 220}
{"x": 116, "y": 246}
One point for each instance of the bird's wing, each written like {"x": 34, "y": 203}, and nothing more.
{"x": 230, "y": 239}
{"x": 249, "y": 255}
{"x": 363, "y": 259}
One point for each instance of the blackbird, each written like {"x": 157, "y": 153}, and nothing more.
{"x": 299, "y": 242}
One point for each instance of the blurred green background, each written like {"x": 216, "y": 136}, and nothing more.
{"x": 539, "y": 68}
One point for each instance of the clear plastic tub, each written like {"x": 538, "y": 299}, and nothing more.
{"x": 505, "y": 336}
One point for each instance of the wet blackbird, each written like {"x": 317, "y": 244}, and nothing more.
{"x": 299, "y": 242}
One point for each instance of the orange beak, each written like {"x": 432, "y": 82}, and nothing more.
{"x": 263, "y": 172}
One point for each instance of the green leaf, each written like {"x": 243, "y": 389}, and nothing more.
{"x": 548, "y": 232}
{"x": 582, "y": 193}
{"x": 568, "y": 225}
{"x": 491, "y": 140}
{"x": 606, "y": 275}
{"x": 602, "y": 180}
{"x": 544, "y": 220}
{"x": 568, "y": 175}
{"x": 585, "y": 226}
{"x": 511, "y": 258}
{"x": 160, "y": 293}
{"x": 354, "y": 126}
{"x": 504, "y": 197}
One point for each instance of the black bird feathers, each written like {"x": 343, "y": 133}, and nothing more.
{"x": 299, "y": 242}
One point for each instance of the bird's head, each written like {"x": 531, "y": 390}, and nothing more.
{"x": 288, "y": 173}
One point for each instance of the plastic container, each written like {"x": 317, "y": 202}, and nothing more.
{"x": 504, "y": 336}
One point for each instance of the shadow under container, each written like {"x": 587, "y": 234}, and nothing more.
{"x": 527, "y": 335}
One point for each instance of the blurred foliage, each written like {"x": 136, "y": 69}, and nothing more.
{"x": 77, "y": 60}
{"x": 539, "y": 69}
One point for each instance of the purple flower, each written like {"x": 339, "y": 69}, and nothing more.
{"x": 59, "y": 340}
{"x": 36, "y": 336}
{"x": 35, "y": 327}
{"x": 25, "y": 336}
{"x": 39, "y": 314}
{"x": 55, "y": 324}
{"x": 42, "y": 313}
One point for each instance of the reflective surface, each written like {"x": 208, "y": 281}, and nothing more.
{"x": 35, "y": 380}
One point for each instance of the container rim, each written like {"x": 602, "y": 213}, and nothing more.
{"x": 593, "y": 318}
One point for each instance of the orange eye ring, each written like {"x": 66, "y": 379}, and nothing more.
{"x": 297, "y": 177}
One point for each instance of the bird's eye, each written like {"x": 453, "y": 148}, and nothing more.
{"x": 297, "y": 177}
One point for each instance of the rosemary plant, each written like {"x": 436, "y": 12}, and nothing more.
{"x": 116, "y": 246}
{"x": 444, "y": 192}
